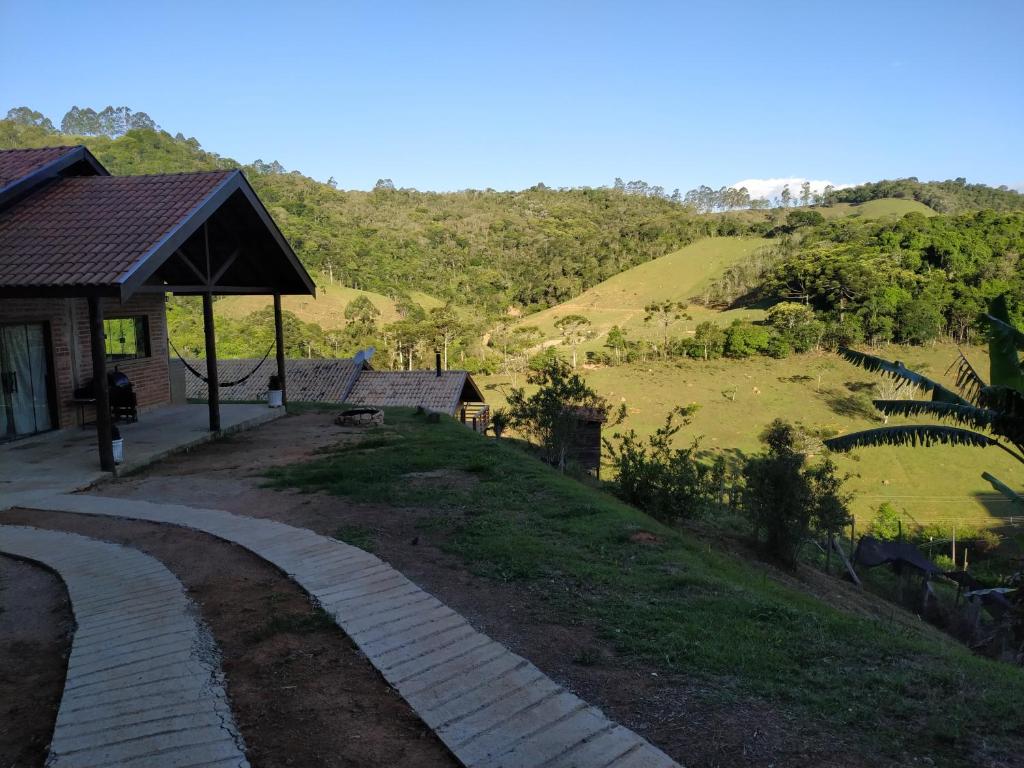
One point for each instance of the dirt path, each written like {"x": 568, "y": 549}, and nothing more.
{"x": 35, "y": 640}
{"x": 669, "y": 711}
{"x": 301, "y": 693}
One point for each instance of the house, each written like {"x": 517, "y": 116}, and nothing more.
{"x": 352, "y": 381}
{"x": 86, "y": 261}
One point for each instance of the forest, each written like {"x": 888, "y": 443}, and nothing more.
{"x": 509, "y": 253}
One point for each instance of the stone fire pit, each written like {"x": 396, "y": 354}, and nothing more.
{"x": 360, "y": 417}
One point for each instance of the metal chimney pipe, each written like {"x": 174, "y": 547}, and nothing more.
{"x": 437, "y": 362}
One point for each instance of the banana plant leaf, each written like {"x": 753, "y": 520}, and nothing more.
{"x": 913, "y": 435}
{"x": 1004, "y": 489}
{"x": 968, "y": 380}
{"x": 973, "y": 416}
{"x": 1003, "y": 342}
{"x": 900, "y": 372}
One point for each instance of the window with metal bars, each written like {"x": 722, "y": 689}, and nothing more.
{"x": 126, "y": 338}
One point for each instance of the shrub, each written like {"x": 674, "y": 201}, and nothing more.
{"x": 669, "y": 483}
{"x": 886, "y": 523}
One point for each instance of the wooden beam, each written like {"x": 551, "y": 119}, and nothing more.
{"x": 104, "y": 431}
{"x": 195, "y": 270}
{"x": 213, "y": 386}
{"x": 279, "y": 344}
{"x": 224, "y": 267}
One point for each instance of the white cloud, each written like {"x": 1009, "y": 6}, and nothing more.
{"x": 772, "y": 188}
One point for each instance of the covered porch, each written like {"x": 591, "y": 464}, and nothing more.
{"x": 86, "y": 261}
{"x": 65, "y": 460}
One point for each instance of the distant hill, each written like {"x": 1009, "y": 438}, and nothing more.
{"x": 877, "y": 209}
{"x": 953, "y": 196}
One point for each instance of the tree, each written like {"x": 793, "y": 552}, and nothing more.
{"x": 26, "y": 116}
{"x": 710, "y": 337}
{"x": 445, "y": 323}
{"x": 830, "y": 510}
{"x": 513, "y": 343}
{"x": 549, "y": 415}
{"x": 665, "y": 314}
{"x": 575, "y": 330}
{"x": 777, "y": 496}
{"x": 617, "y": 342}
{"x": 362, "y": 314}
{"x": 786, "y": 196}
{"x": 805, "y": 193}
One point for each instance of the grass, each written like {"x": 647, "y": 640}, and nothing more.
{"x": 358, "y": 536}
{"x": 326, "y": 310}
{"x": 680, "y": 276}
{"x": 929, "y": 485}
{"x": 680, "y": 605}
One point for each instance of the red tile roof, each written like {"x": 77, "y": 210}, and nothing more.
{"x": 16, "y": 164}
{"x": 94, "y": 230}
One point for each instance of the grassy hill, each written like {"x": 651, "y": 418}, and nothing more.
{"x": 876, "y": 209}
{"x": 738, "y": 398}
{"x": 680, "y": 275}
{"x": 328, "y": 308}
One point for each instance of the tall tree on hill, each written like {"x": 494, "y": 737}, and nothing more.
{"x": 786, "y": 196}
{"x": 575, "y": 330}
{"x": 26, "y": 116}
{"x": 665, "y": 314}
{"x": 446, "y": 325}
{"x": 805, "y": 193}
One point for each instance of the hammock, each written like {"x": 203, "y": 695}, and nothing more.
{"x": 221, "y": 384}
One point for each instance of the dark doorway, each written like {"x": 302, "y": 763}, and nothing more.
{"x": 25, "y": 380}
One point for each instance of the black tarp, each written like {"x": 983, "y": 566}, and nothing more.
{"x": 871, "y": 552}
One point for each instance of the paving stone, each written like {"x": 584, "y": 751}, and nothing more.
{"x": 142, "y": 685}
{"x": 491, "y": 707}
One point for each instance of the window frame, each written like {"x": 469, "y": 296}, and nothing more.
{"x": 143, "y": 350}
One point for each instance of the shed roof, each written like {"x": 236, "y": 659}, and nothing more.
{"x": 314, "y": 381}
{"x": 434, "y": 392}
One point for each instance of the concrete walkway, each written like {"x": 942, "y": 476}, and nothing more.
{"x": 490, "y": 707}
{"x": 66, "y": 460}
{"x": 143, "y": 685}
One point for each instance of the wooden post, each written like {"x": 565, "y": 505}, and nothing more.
{"x": 279, "y": 344}
{"x": 954, "y": 546}
{"x": 213, "y": 385}
{"x": 99, "y": 383}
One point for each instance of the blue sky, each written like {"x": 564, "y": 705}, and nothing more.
{"x": 449, "y": 95}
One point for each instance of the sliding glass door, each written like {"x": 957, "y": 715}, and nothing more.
{"x": 25, "y": 377}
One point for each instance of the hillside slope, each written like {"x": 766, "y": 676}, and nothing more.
{"x": 326, "y": 310}
{"x": 675, "y": 631}
{"x": 678, "y": 276}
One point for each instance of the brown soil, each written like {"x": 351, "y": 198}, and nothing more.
{"x": 35, "y": 640}
{"x": 682, "y": 719}
{"x": 301, "y": 692}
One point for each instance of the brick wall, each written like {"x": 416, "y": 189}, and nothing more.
{"x": 149, "y": 376}
{"x": 68, "y": 321}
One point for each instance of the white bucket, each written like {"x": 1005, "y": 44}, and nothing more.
{"x": 275, "y": 398}
{"x": 118, "y": 446}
